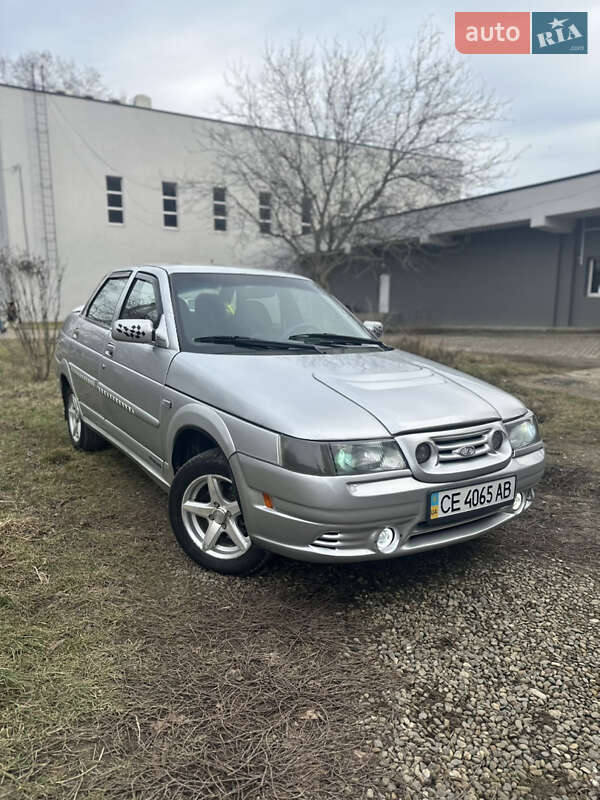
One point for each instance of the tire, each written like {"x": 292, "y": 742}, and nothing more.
{"x": 81, "y": 435}
{"x": 203, "y": 501}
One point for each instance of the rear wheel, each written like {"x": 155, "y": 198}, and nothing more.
{"x": 206, "y": 517}
{"x": 81, "y": 435}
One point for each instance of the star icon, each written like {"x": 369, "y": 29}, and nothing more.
{"x": 557, "y": 23}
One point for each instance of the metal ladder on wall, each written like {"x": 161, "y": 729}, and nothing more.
{"x": 40, "y": 109}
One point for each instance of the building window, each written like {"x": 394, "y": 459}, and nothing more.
{"x": 169, "y": 201}
{"x": 593, "y": 286}
{"x": 264, "y": 212}
{"x": 114, "y": 199}
{"x": 306, "y": 215}
{"x": 220, "y": 208}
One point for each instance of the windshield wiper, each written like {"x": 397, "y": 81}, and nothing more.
{"x": 249, "y": 341}
{"x": 336, "y": 338}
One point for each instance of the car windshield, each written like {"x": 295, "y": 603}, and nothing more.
{"x": 265, "y": 307}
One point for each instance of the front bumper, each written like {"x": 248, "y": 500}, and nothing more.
{"x": 336, "y": 518}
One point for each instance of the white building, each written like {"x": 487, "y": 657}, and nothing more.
{"x": 98, "y": 185}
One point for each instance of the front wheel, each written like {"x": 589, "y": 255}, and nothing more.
{"x": 207, "y": 519}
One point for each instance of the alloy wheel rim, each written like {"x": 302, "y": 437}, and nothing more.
{"x": 212, "y": 517}
{"x": 74, "y": 416}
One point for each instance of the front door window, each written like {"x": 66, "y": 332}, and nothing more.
{"x": 142, "y": 301}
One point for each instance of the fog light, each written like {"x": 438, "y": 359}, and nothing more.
{"x": 386, "y": 540}
{"x": 517, "y": 501}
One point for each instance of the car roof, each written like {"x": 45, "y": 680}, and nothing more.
{"x": 206, "y": 268}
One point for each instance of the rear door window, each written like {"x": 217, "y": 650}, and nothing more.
{"x": 102, "y": 308}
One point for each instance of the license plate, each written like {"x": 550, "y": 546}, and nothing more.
{"x": 471, "y": 498}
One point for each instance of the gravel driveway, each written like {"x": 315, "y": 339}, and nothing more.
{"x": 487, "y": 674}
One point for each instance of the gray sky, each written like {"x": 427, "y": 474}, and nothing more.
{"x": 176, "y": 52}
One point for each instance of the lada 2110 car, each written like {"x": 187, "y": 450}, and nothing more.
{"x": 278, "y": 422}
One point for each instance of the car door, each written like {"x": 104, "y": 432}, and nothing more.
{"x": 88, "y": 338}
{"x": 133, "y": 375}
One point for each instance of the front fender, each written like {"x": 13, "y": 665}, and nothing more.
{"x": 203, "y": 418}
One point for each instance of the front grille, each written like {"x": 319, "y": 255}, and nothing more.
{"x": 449, "y": 445}
{"x": 456, "y": 453}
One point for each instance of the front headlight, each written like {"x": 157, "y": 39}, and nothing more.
{"x": 341, "y": 458}
{"x": 523, "y": 432}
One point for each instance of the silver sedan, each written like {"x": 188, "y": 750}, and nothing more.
{"x": 278, "y": 422}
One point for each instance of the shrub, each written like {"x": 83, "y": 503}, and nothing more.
{"x": 30, "y": 288}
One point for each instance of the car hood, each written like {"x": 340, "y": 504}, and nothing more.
{"x": 340, "y": 395}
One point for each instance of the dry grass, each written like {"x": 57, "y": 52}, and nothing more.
{"x": 420, "y": 346}
{"x": 128, "y": 672}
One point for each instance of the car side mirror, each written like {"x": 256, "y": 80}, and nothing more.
{"x": 133, "y": 330}
{"x": 375, "y": 328}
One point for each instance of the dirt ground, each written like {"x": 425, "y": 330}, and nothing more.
{"x": 128, "y": 672}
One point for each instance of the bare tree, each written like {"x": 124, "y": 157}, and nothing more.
{"x": 373, "y": 133}
{"x": 41, "y": 69}
{"x": 30, "y": 289}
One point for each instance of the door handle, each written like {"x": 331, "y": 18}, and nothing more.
{"x": 109, "y": 350}
{"x": 76, "y": 333}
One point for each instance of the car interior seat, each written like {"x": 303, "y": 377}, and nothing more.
{"x": 209, "y": 316}
{"x": 252, "y": 319}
